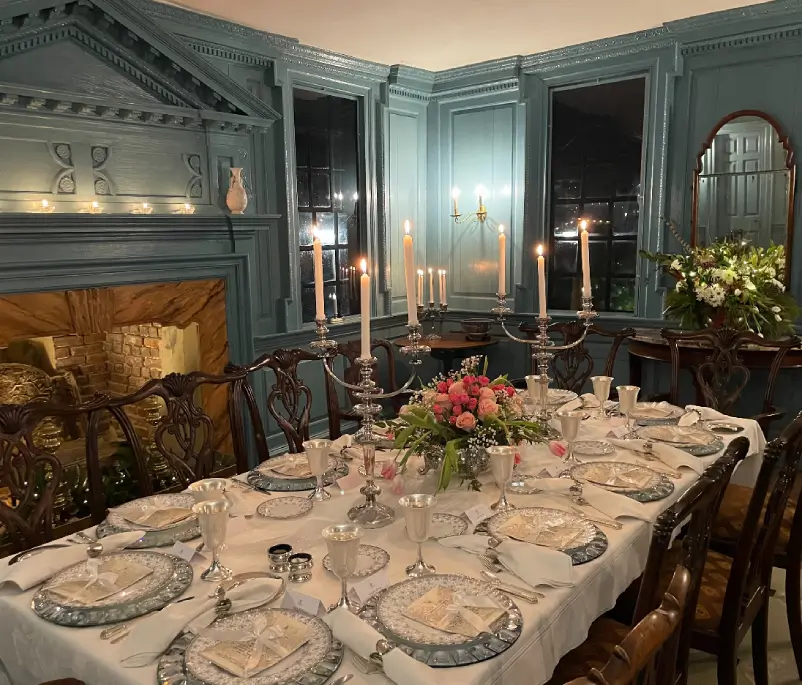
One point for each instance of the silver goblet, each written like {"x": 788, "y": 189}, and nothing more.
{"x": 208, "y": 489}
{"x": 213, "y": 519}
{"x": 601, "y": 391}
{"x": 569, "y": 427}
{"x": 627, "y": 400}
{"x": 342, "y": 541}
{"x": 418, "y": 510}
{"x": 317, "y": 454}
{"x": 502, "y": 461}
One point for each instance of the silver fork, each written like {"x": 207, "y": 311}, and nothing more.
{"x": 610, "y": 523}
{"x": 365, "y": 665}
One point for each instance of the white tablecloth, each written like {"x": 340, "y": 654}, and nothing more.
{"x": 34, "y": 650}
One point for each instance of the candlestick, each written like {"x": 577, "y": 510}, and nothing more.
{"x": 364, "y": 283}
{"x": 431, "y": 286}
{"x": 502, "y": 261}
{"x": 583, "y": 237}
{"x": 420, "y": 287}
{"x": 541, "y": 281}
{"x": 444, "y": 291}
{"x": 455, "y": 195}
{"x": 409, "y": 277}
{"x": 317, "y": 250}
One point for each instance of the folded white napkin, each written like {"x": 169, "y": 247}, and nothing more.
{"x": 42, "y": 566}
{"x": 695, "y": 412}
{"x": 671, "y": 456}
{"x": 243, "y": 503}
{"x": 401, "y": 668}
{"x": 345, "y": 446}
{"x": 152, "y": 635}
{"x": 609, "y": 503}
{"x": 535, "y": 564}
{"x": 582, "y": 402}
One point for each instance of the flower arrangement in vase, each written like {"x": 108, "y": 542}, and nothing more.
{"x": 464, "y": 410}
{"x": 730, "y": 283}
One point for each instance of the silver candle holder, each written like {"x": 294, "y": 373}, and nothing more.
{"x": 371, "y": 513}
{"x": 544, "y": 348}
{"x": 434, "y": 315}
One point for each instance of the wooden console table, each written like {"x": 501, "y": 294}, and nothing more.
{"x": 450, "y": 347}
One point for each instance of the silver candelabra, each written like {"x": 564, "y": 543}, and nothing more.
{"x": 544, "y": 348}
{"x": 431, "y": 314}
{"x": 371, "y": 513}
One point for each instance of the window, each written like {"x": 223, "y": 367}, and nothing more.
{"x": 596, "y": 141}
{"x": 327, "y": 167}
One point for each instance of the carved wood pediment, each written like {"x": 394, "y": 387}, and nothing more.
{"x": 108, "y": 50}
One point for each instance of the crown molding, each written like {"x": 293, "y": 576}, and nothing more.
{"x": 226, "y": 52}
{"x": 775, "y": 9}
{"x": 742, "y": 40}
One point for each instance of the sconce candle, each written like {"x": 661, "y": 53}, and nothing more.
{"x": 365, "y": 292}
{"x": 541, "y": 281}
{"x": 502, "y": 261}
{"x": 409, "y": 276}
{"x": 431, "y": 287}
{"x": 420, "y": 287}
{"x": 317, "y": 249}
{"x": 454, "y": 196}
{"x": 583, "y": 237}
{"x": 443, "y": 295}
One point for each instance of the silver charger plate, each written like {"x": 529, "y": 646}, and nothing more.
{"x": 289, "y": 507}
{"x": 447, "y": 525}
{"x": 273, "y": 483}
{"x": 679, "y": 437}
{"x": 273, "y": 466}
{"x": 558, "y": 396}
{"x": 659, "y": 487}
{"x": 177, "y": 532}
{"x": 591, "y": 544}
{"x": 433, "y": 647}
{"x": 593, "y": 448}
{"x": 615, "y": 475}
{"x": 656, "y": 413}
{"x": 170, "y": 578}
{"x": 313, "y": 664}
{"x": 370, "y": 560}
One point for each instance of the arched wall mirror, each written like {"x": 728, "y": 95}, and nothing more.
{"x": 743, "y": 184}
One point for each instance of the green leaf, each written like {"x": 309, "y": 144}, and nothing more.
{"x": 484, "y": 366}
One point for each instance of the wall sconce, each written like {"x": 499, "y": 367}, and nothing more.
{"x": 186, "y": 209}
{"x": 144, "y": 208}
{"x": 93, "y": 208}
{"x": 44, "y": 207}
{"x": 479, "y": 215}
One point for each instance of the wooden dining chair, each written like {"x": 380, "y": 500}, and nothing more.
{"x": 723, "y": 376}
{"x": 350, "y": 351}
{"x": 32, "y": 476}
{"x": 647, "y": 653}
{"x": 729, "y": 529}
{"x": 572, "y": 368}
{"x": 691, "y": 513}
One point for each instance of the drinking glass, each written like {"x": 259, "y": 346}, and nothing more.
{"x": 601, "y": 391}
{"x": 627, "y": 400}
{"x": 208, "y": 489}
{"x": 502, "y": 460}
{"x": 317, "y": 454}
{"x": 213, "y": 519}
{"x": 342, "y": 541}
{"x": 537, "y": 388}
{"x": 569, "y": 427}
{"x": 418, "y": 510}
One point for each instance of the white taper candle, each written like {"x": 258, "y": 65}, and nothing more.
{"x": 364, "y": 283}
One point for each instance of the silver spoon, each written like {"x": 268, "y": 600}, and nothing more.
{"x": 343, "y": 679}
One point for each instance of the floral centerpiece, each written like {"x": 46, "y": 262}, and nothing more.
{"x": 729, "y": 283}
{"x": 463, "y": 410}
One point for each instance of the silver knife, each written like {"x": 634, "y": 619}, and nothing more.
{"x": 513, "y": 590}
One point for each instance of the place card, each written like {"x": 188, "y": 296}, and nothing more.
{"x": 184, "y": 551}
{"x": 297, "y": 600}
{"x": 367, "y": 587}
{"x": 478, "y": 513}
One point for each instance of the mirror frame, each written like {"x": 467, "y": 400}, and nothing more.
{"x": 790, "y": 165}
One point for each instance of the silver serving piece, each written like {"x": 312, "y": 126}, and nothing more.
{"x": 343, "y": 543}
{"x": 213, "y": 518}
{"x": 369, "y": 514}
{"x": 601, "y": 391}
{"x": 543, "y": 348}
{"x": 317, "y": 454}
{"x": 431, "y": 314}
{"x": 418, "y": 510}
{"x": 502, "y": 460}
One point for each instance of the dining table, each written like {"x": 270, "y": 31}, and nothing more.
{"x": 33, "y": 650}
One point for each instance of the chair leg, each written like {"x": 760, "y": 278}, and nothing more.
{"x": 760, "y": 645}
{"x": 793, "y": 603}
{"x": 727, "y": 666}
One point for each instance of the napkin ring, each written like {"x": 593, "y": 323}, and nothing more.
{"x": 279, "y": 556}
{"x": 300, "y": 567}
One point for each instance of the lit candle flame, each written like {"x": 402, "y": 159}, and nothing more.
{"x": 501, "y": 228}
{"x": 315, "y": 234}
{"x": 364, "y": 266}
{"x": 144, "y": 205}
{"x": 187, "y": 205}
{"x": 406, "y": 226}
{"x": 95, "y": 204}
{"x": 420, "y": 272}
{"x": 583, "y": 224}
{"x": 455, "y": 192}
{"x": 430, "y": 271}
{"x": 45, "y": 203}
{"x": 539, "y": 250}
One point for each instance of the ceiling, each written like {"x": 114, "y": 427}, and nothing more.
{"x": 440, "y": 34}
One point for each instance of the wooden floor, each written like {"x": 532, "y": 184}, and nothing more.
{"x": 782, "y": 669}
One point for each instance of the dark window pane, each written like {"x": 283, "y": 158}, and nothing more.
{"x": 330, "y": 300}
{"x": 624, "y": 257}
{"x": 303, "y": 189}
{"x": 565, "y": 257}
{"x": 598, "y": 258}
{"x": 342, "y": 228}
{"x": 345, "y": 299}
{"x": 325, "y": 227}
{"x": 328, "y": 265}
{"x": 622, "y": 295}
{"x": 599, "y": 180}
{"x": 305, "y": 222}
{"x": 319, "y": 149}
{"x": 307, "y": 268}
{"x": 321, "y": 192}
{"x": 308, "y": 304}
{"x": 561, "y": 289}
{"x": 568, "y": 183}
{"x": 625, "y": 218}
{"x": 597, "y": 215}
{"x": 565, "y": 220}
{"x": 301, "y": 148}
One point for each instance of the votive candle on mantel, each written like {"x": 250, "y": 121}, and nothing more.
{"x": 317, "y": 252}
{"x": 364, "y": 283}
{"x": 502, "y": 261}
{"x": 420, "y": 287}
{"x": 583, "y": 239}
{"x": 541, "y": 281}
{"x": 409, "y": 276}
{"x": 431, "y": 286}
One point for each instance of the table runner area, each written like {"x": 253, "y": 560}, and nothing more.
{"x": 34, "y": 650}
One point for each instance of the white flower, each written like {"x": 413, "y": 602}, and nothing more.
{"x": 778, "y": 317}
{"x": 680, "y": 286}
{"x": 737, "y": 292}
{"x": 749, "y": 285}
{"x": 675, "y": 265}
{"x": 776, "y": 309}
{"x": 778, "y": 284}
